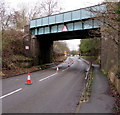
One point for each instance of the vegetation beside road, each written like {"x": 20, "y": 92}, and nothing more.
{"x": 14, "y": 31}
{"x": 90, "y": 47}
{"x": 88, "y": 88}
{"x": 90, "y": 50}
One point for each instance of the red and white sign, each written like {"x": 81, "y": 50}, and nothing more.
{"x": 27, "y": 47}
{"x": 64, "y": 29}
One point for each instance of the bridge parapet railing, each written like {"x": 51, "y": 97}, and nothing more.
{"x": 75, "y": 15}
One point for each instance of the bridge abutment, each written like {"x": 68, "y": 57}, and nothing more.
{"x": 42, "y": 50}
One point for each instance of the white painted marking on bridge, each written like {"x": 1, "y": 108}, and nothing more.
{"x": 48, "y": 77}
{"x": 10, "y": 93}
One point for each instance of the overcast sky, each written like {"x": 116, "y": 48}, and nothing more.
{"x": 67, "y": 5}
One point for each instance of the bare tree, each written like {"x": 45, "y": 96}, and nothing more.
{"x": 109, "y": 17}
{"x": 60, "y": 47}
{"x": 22, "y": 17}
{"x": 50, "y": 7}
{"x": 5, "y": 16}
{"x": 34, "y": 12}
{"x": 31, "y": 12}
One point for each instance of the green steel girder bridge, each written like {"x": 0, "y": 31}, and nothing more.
{"x": 75, "y": 24}
{"x": 76, "y": 20}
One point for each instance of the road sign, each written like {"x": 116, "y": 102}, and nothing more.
{"x": 27, "y": 47}
{"x": 65, "y": 52}
{"x": 64, "y": 29}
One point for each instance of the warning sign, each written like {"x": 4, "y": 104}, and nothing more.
{"x": 65, "y": 52}
{"x": 64, "y": 29}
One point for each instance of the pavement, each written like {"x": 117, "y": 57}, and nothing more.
{"x": 100, "y": 101}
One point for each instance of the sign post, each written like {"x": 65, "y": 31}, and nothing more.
{"x": 27, "y": 48}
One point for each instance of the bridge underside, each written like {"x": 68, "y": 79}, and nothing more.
{"x": 79, "y": 34}
{"x": 42, "y": 45}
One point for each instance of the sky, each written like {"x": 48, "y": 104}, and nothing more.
{"x": 67, "y": 5}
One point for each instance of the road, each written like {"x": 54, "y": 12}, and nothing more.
{"x": 51, "y": 91}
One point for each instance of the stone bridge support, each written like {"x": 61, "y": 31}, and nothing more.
{"x": 42, "y": 50}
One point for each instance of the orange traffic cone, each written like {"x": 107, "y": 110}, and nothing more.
{"x": 28, "y": 82}
{"x": 57, "y": 69}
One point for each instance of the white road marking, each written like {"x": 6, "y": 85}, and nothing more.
{"x": 65, "y": 69}
{"x": 10, "y": 93}
{"x": 47, "y": 77}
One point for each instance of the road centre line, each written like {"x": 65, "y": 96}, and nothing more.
{"x": 47, "y": 77}
{"x": 10, "y": 93}
{"x": 64, "y": 69}
{"x": 21, "y": 88}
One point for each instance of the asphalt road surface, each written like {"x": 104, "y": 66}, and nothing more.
{"x": 51, "y": 91}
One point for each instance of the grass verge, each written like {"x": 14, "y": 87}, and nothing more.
{"x": 88, "y": 88}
